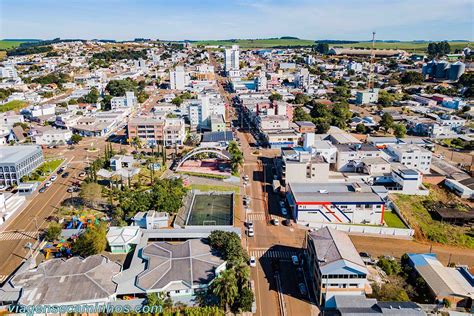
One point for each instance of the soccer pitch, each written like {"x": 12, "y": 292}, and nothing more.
{"x": 211, "y": 209}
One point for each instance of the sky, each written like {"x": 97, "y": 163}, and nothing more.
{"x": 225, "y": 19}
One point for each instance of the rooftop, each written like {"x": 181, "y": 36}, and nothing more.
{"x": 333, "y": 192}
{"x": 13, "y": 154}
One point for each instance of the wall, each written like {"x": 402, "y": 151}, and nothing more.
{"x": 381, "y": 231}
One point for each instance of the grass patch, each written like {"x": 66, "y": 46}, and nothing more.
{"x": 393, "y": 220}
{"x": 408, "y": 46}
{"x": 209, "y": 187}
{"x": 204, "y": 175}
{"x": 10, "y": 44}
{"x": 43, "y": 171}
{"x": 426, "y": 228}
{"x": 14, "y": 105}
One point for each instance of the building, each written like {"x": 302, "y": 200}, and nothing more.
{"x": 18, "y": 161}
{"x": 411, "y": 156}
{"x": 335, "y": 203}
{"x": 360, "y": 305}
{"x": 53, "y": 136}
{"x": 128, "y": 101}
{"x": 153, "y": 131}
{"x": 68, "y": 282}
{"x": 122, "y": 239}
{"x": 367, "y": 96}
{"x": 218, "y": 123}
{"x": 453, "y": 284}
{"x": 232, "y": 59}
{"x": 367, "y": 52}
{"x": 350, "y": 157}
{"x": 178, "y": 78}
{"x": 335, "y": 266}
{"x": 217, "y": 139}
{"x": 8, "y": 72}
{"x": 301, "y": 166}
{"x": 201, "y": 110}
{"x": 151, "y": 220}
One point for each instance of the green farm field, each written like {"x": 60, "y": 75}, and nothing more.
{"x": 408, "y": 46}
{"x": 10, "y": 44}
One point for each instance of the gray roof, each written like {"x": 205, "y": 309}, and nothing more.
{"x": 15, "y": 154}
{"x": 191, "y": 263}
{"x": 74, "y": 280}
{"x": 333, "y": 192}
{"x": 359, "y": 305}
{"x": 226, "y": 136}
{"x": 332, "y": 245}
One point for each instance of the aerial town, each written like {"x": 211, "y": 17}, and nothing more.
{"x": 193, "y": 178}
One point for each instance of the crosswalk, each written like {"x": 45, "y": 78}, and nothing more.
{"x": 256, "y": 217}
{"x": 17, "y": 235}
{"x": 277, "y": 254}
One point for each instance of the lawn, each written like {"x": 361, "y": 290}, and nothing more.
{"x": 393, "y": 220}
{"x": 10, "y": 44}
{"x": 47, "y": 168}
{"x": 208, "y": 187}
{"x": 408, "y": 46}
{"x": 14, "y": 105}
{"x": 426, "y": 228}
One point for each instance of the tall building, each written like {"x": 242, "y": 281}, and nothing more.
{"x": 178, "y": 78}
{"x": 200, "y": 112}
{"x": 155, "y": 131}
{"x": 232, "y": 58}
{"x": 128, "y": 101}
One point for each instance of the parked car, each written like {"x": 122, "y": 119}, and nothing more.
{"x": 302, "y": 289}
{"x": 246, "y": 178}
{"x": 70, "y": 190}
{"x": 275, "y": 221}
{"x": 253, "y": 261}
{"x": 250, "y": 232}
{"x": 82, "y": 174}
{"x": 65, "y": 175}
{"x": 42, "y": 189}
{"x": 60, "y": 170}
{"x": 53, "y": 178}
{"x": 366, "y": 258}
{"x": 48, "y": 183}
{"x": 295, "y": 260}
{"x": 250, "y": 225}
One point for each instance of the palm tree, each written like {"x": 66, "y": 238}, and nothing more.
{"x": 242, "y": 273}
{"x": 225, "y": 288}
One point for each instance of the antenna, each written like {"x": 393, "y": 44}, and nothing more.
{"x": 370, "y": 83}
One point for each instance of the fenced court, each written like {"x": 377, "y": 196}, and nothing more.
{"x": 211, "y": 209}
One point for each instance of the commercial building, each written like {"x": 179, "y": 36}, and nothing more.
{"x": 360, "y": 305}
{"x": 335, "y": 203}
{"x": 18, "y": 161}
{"x": 53, "y": 136}
{"x": 335, "y": 266}
{"x": 411, "y": 156}
{"x": 153, "y": 131}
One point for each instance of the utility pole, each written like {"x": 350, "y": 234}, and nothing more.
{"x": 370, "y": 83}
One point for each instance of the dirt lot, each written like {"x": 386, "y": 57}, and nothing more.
{"x": 388, "y": 246}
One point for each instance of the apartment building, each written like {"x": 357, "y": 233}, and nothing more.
{"x": 367, "y": 96}
{"x": 18, "y": 161}
{"x": 298, "y": 165}
{"x": 201, "y": 110}
{"x": 411, "y": 156}
{"x": 335, "y": 266}
{"x": 350, "y": 157}
{"x": 178, "y": 78}
{"x": 155, "y": 131}
{"x": 232, "y": 59}
{"x": 128, "y": 101}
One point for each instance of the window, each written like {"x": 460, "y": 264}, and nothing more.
{"x": 367, "y": 205}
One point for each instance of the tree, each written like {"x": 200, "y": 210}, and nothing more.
{"x": 389, "y": 266}
{"x": 225, "y": 288}
{"x": 411, "y": 77}
{"x": 91, "y": 193}
{"x": 177, "y": 101}
{"x": 228, "y": 244}
{"x": 76, "y": 138}
{"x": 53, "y": 232}
{"x": 361, "y": 128}
{"x": 301, "y": 98}
{"x": 92, "y": 242}
{"x": 91, "y": 97}
{"x": 159, "y": 299}
{"x": 275, "y": 97}
{"x": 385, "y": 98}
{"x": 245, "y": 300}
{"x": 322, "y": 48}
{"x": 300, "y": 114}
{"x": 386, "y": 122}
{"x": 438, "y": 49}
{"x": 117, "y": 88}
{"x": 237, "y": 157}
{"x": 399, "y": 130}
{"x": 393, "y": 290}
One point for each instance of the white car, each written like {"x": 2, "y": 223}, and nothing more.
{"x": 246, "y": 178}
{"x": 253, "y": 261}
{"x": 82, "y": 174}
{"x": 48, "y": 183}
{"x": 53, "y": 178}
{"x": 275, "y": 221}
{"x": 284, "y": 211}
{"x": 250, "y": 232}
{"x": 250, "y": 225}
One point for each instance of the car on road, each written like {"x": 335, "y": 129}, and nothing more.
{"x": 65, "y": 175}
{"x": 295, "y": 260}
{"x": 48, "y": 183}
{"x": 41, "y": 190}
{"x": 246, "y": 178}
{"x": 82, "y": 174}
{"x": 60, "y": 170}
{"x": 250, "y": 225}
{"x": 250, "y": 232}
{"x": 302, "y": 289}
{"x": 284, "y": 211}
{"x": 253, "y": 261}
{"x": 275, "y": 221}
{"x": 70, "y": 190}
{"x": 53, "y": 178}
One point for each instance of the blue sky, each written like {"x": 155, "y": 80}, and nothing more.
{"x": 223, "y": 19}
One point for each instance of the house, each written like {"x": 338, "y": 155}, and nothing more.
{"x": 350, "y": 157}
{"x": 52, "y": 136}
{"x": 65, "y": 282}
{"x": 151, "y": 220}
{"x": 453, "y": 284}
{"x": 121, "y": 239}
{"x": 335, "y": 267}
{"x": 335, "y": 203}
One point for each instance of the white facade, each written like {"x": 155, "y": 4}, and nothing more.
{"x": 47, "y": 109}
{"x": 200, "y": 111}
{"x": 411, "y": 156}
{"x": 53, "y": 136}
{"x": 368, "y": 96}
{"x": 231, "y": 58}
{"x": 178, "y": 78}
{"x": 9, "y": 72}
{"x": 128, "y": 101}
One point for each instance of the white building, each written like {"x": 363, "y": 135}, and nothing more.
{"x": 367, "y": 96}
{"x": 231, "y": 58}
{"x": 178, "y": 78}
{"x": 53, "y": 136}
{"x": 43, "y": 110}
{"x": 128, "y": 101}
{"x": 9, "y": 72}
{"x": 201, "y": 110}
{"x": 411, "y": 156}
{"x": 350, "y": 157}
